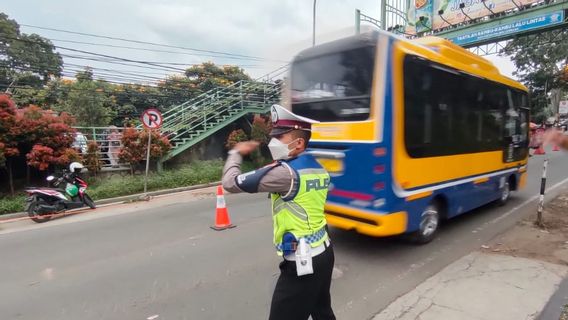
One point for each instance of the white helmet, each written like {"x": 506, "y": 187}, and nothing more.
{"x": 75, "y": 167}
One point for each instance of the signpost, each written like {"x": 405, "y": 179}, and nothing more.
{"x": 151, "y": 119}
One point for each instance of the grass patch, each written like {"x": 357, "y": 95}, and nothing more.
{"x": 198, "y": 172}
{"x": 10, "y": 204}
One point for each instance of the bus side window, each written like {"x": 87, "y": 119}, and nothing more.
{"x": 451, "y": 112}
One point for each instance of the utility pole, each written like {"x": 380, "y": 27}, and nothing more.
{"x": 314, "y": 26}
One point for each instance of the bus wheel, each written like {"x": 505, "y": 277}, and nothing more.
{"x": 429, "y": 222}
{"x": 505, "y": 194}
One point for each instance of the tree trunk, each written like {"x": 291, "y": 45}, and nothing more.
{"x": 27, "y": 175}
{"x": 10, "y": 179}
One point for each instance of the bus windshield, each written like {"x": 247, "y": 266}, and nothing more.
{"x": 335, "y": 86}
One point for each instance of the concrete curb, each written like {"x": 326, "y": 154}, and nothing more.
{"x": 125, "y": 198}
{"x": 553, "y": 308}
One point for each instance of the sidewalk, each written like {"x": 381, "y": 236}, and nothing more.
{"x": 481, "y": 286}
{"x": 520, "y": 274}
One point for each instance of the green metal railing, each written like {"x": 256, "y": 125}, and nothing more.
{"x": 191, "y": 122}
{"x": 195, "y": 120}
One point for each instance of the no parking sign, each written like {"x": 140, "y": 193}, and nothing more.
{"x": 152, "y": 118}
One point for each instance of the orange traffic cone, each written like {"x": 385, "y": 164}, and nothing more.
{"x": 222, "y": 220}
{"x": 539, "y": 150}
{"x": 556, "y": 148}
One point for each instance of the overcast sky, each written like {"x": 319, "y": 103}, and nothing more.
{"x": 271, "y": 29}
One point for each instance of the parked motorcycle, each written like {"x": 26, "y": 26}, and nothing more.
{"x": 43, "y": 203}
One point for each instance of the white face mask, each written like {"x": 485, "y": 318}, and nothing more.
{"x": 278, "y": 149}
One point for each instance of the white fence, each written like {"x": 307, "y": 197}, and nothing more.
{"x": 108, "y": 141}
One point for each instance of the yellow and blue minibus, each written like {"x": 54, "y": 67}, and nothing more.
{"x": 411, "y": 131}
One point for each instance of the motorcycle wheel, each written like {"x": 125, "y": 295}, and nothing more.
{"x": 89, "y": 202}
{"x": 35, "y": 215}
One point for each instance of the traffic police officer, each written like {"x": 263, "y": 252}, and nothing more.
{"x": 298, "y": 188}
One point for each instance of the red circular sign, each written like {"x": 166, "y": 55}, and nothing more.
{"x": 152, "y": 118}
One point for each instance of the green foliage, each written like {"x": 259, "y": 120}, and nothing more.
{"x": 11, "y": 204}
{"x": 92, "y": 160}
{"x": 542, "y": 68}
{"x": 88, "y": 101}
{"x": 261, "y": 127}
{"x": 196, "y": 173}
{"x": 135, "y": 146}
{"x": 32, "y": 69}
{"x": 25, "y": 59}
{"x": 235, "y": 137}
{"x": 177, "y": 89}
{"x": 208, "y": 76}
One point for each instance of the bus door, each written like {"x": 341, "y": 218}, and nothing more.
{"x": 516, "y": 134}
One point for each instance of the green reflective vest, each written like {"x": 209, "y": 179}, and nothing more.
{"x": 302, "y": 213}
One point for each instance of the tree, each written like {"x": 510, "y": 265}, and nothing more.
{"x": 88, "y": 101}
{"x": 261, "y": 126}
{"x": 2, "y": 155}
{"x": 132, "y": 99}
{"x": 50, "y": 137}
{"x": 25, "y": 59}
{"x": 541, "y": 68}
{"x": 8, "y": 131}
{"x": 44, "y": 137}
{"x": 160, "y": 145}
{"x": 92, "y": 159}
{"x": 135, "y": 144}
{"x": 235, "y": 137}
{"x": 207, "y": 76}
{"x": 132, "y": 152}
{"x": 177, "y": 89}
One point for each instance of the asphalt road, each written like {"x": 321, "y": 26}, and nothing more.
{"x": 163, "y": 259}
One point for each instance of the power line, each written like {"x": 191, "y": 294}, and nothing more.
{"x": 129, "y": 77}
{"x": 176, "y": 63}
{"x": 100, "y": 91}
{"x": 67, "y": 74}
{"x": 99, "y": 55}
{"x": 111, "y": 62}
{"x": 152, "y": 50}
{"x": 113, "y": 59}
{"x": 122, "y": 59}
{"x": 117, "y": 82}
{"x": 144, "y": 42}
{"x": 116, "y": 70}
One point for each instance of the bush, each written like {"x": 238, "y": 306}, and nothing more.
{"x": 135, "y": 145}
{"x": 235, "y": 137}
{"x": 196, "y": 173}
{"x": 12, "y": 204}
{"x": 199, "y": 172}
{"x": 92, "y": 159}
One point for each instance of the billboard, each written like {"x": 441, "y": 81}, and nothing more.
{"x": 423, "y": 14}
{"x": 527, "y": 24}
{"x": 473, "y": 8}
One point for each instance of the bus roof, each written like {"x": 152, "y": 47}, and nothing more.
{"x": 351, "y": 42}
{"x": 440, "y": 47}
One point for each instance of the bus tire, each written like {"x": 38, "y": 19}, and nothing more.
{"x": 429, "y": 223}
{"x": 505, "y": 193}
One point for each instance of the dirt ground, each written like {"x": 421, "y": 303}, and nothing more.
{"x": 526, "y": 240}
